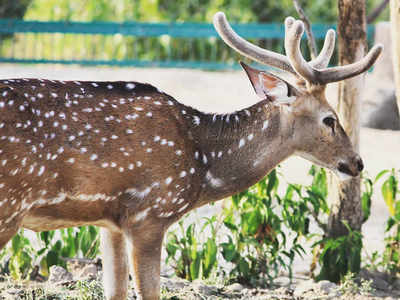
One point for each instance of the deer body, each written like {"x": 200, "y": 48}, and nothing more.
{"x": 131, "y": 159}
{"x": 121, "y": 150}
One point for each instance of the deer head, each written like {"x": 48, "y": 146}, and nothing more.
{"x": 317, "y": 133}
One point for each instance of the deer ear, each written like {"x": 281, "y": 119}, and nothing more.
{"x": 269, "y": 86}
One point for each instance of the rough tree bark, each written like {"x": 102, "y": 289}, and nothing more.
{"x": 352, "y": 39}
{"x": 395, "y": 24}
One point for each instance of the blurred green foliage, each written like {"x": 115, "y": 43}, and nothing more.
{"x": 321, "y": 11}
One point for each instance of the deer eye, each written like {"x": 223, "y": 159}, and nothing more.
{"x": 329, "y": 121}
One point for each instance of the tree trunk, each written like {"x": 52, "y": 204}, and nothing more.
{"x": 346, "y": 204}
{"x": 345, "y": 196}
{"x": 395, "y": 24}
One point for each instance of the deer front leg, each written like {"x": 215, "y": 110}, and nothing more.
{"x": 115, "y": 264}
{"x": 145, "y": 254}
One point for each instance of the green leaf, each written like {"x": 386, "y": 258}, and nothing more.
{"x": 244, "y": 267}
{"x": 195, "y": 268}
{"x": 380, "y": 174}
{"x": 210, "y": 257}
{"x": 16, "y": 242}
{"x": 272, "y": 182}
{"x": 388, "y": 193}
{"x": 230, "y": 225}
{"x": 366, "y": 206}
{"x": 52, "y": 258}
{"x": 389, "y": 224}
{"x": 228, "y": 251}
{"x": 251, "y": 222}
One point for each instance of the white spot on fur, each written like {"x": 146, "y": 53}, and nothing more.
{"x": 140, "y": 216}
{"x": 214, "y": 182}
{"x": 265, "y": 125}
{"x": 130, "y": 86}
{"x": 139, "y": 194}
{"x": 241, "y": 143}
{"x": 183, "y": 208}
{"x": 168, "y": 180}
{"x": 196, "y": 120}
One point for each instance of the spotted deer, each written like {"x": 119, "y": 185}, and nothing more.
{"x": 131, "y": 159}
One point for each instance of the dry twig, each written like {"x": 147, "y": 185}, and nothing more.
{"x": 310, "y": 36}
{"x": 377, "y": 11}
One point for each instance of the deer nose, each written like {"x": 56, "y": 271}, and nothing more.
{"x": 352, "y": 167}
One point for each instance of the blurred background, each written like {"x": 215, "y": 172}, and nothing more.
{"x": 156, "y": 33}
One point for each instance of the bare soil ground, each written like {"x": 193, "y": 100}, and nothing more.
{"x": 226, "y": 92}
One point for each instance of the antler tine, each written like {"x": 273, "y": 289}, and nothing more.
{"x": 289, "y": 22}
{"x": 293, "y": 33}
{"x": 343, "y": 72}
{"x": 248, "y": 49}
{"x": 323, "y": 58}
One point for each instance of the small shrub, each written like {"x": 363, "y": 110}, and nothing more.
{"x": 20, "y": 257}
{"x": 349, "y": 286}
{"x": 340, "y": 255}
{"x": 390, "y": 260}
{"x": 337, "y": 256}
{"x": 257, "y": 245}
{"x": 190, "y": 257}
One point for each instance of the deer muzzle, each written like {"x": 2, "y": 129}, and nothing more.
{"x": 351, "y": 168}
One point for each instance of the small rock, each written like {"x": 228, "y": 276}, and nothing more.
{"x": 89, "y": 271}
{"x": 173, "y": 284}
{"x": 282, "y": 281}
{"x": 59, "y": 275}
{"x": 199, "y": 287}
{"x": 396, "y": 284}
{"x": 379, "y": 280}
{"x": 283, "y": 291}
{"x": 326, "y": 286}
{"x": 304, "y": 287}
{"x": 235, "y": 287}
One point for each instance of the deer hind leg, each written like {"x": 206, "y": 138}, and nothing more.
{"x": 9, "y": 226}
{"x": 115, "y": 264}
{"x": 6, "y": 234}
{"x": 145, "y": 255}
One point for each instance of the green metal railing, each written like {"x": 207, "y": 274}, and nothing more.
{"x": 189, "y": 45}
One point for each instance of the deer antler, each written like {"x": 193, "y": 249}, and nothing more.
{"x": 248, "y": 49}
{"x": 315, "y": 71}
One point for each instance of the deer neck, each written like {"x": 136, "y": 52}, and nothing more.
{"x": 237, "y": 150}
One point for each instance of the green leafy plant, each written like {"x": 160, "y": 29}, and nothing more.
{"x": 191, "y": 258}
{"x": 340, "y": 255}
{"x": 390, "y": 192}
{"x": 257, "y": 242}
{"x": 336, "y": 256}
{"x": 21, "y": 256}
{"x": 265, "y": 231}
{"x": 74, "y": 242}
{"x": 20, "y": 261}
